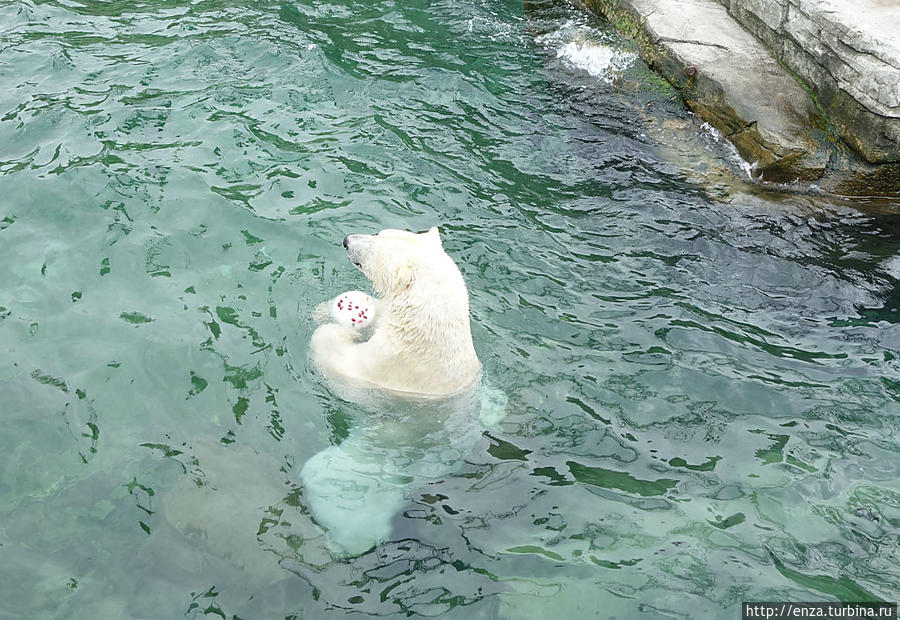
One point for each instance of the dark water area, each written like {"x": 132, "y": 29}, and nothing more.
{"x": 692, "y": 386}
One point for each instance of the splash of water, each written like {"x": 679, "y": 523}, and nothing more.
{"x": 586, "y": 49}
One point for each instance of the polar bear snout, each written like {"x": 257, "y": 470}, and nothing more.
{"x": 358, "y": 247}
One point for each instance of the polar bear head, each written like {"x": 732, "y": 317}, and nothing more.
{"x": 401, "y": 263}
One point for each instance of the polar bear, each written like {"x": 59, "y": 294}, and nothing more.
{"x": 415, "y": 380}
{"x": 421, "y": 342}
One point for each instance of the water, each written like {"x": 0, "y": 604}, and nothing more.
{"x": 701, "y": 381}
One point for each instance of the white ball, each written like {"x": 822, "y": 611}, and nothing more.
{"x": 353, "y": 309}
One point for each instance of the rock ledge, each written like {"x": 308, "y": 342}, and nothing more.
{"x": 722, "y": 56}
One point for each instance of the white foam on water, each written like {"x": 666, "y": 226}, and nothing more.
{"x": 587, "y": 49}
{"x": 892, "y": 266}
{"x": 597, "y": 60}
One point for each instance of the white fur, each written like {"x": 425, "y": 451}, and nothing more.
{"x": 421, "y": 342}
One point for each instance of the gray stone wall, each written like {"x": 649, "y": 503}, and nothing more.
{"x": 847, "y": 53}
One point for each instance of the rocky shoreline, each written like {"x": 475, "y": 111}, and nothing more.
{"x": 808, "y": 91}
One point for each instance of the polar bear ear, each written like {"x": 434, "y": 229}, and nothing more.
{"x": 434, "y": 235}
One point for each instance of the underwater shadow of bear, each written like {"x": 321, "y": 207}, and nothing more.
{"x": 354, "y": 489}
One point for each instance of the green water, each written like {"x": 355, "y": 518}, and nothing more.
{"x": 702, "y": 384}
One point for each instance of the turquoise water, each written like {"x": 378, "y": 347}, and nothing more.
{"x": 701, "y": 382}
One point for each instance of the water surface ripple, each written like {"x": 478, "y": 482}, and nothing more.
{"x": 703, "y": 382}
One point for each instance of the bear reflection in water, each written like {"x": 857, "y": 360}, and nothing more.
{"x": 395, "y": 447}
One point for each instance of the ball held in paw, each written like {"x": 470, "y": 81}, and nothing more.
{"x": 353, "y": 309}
